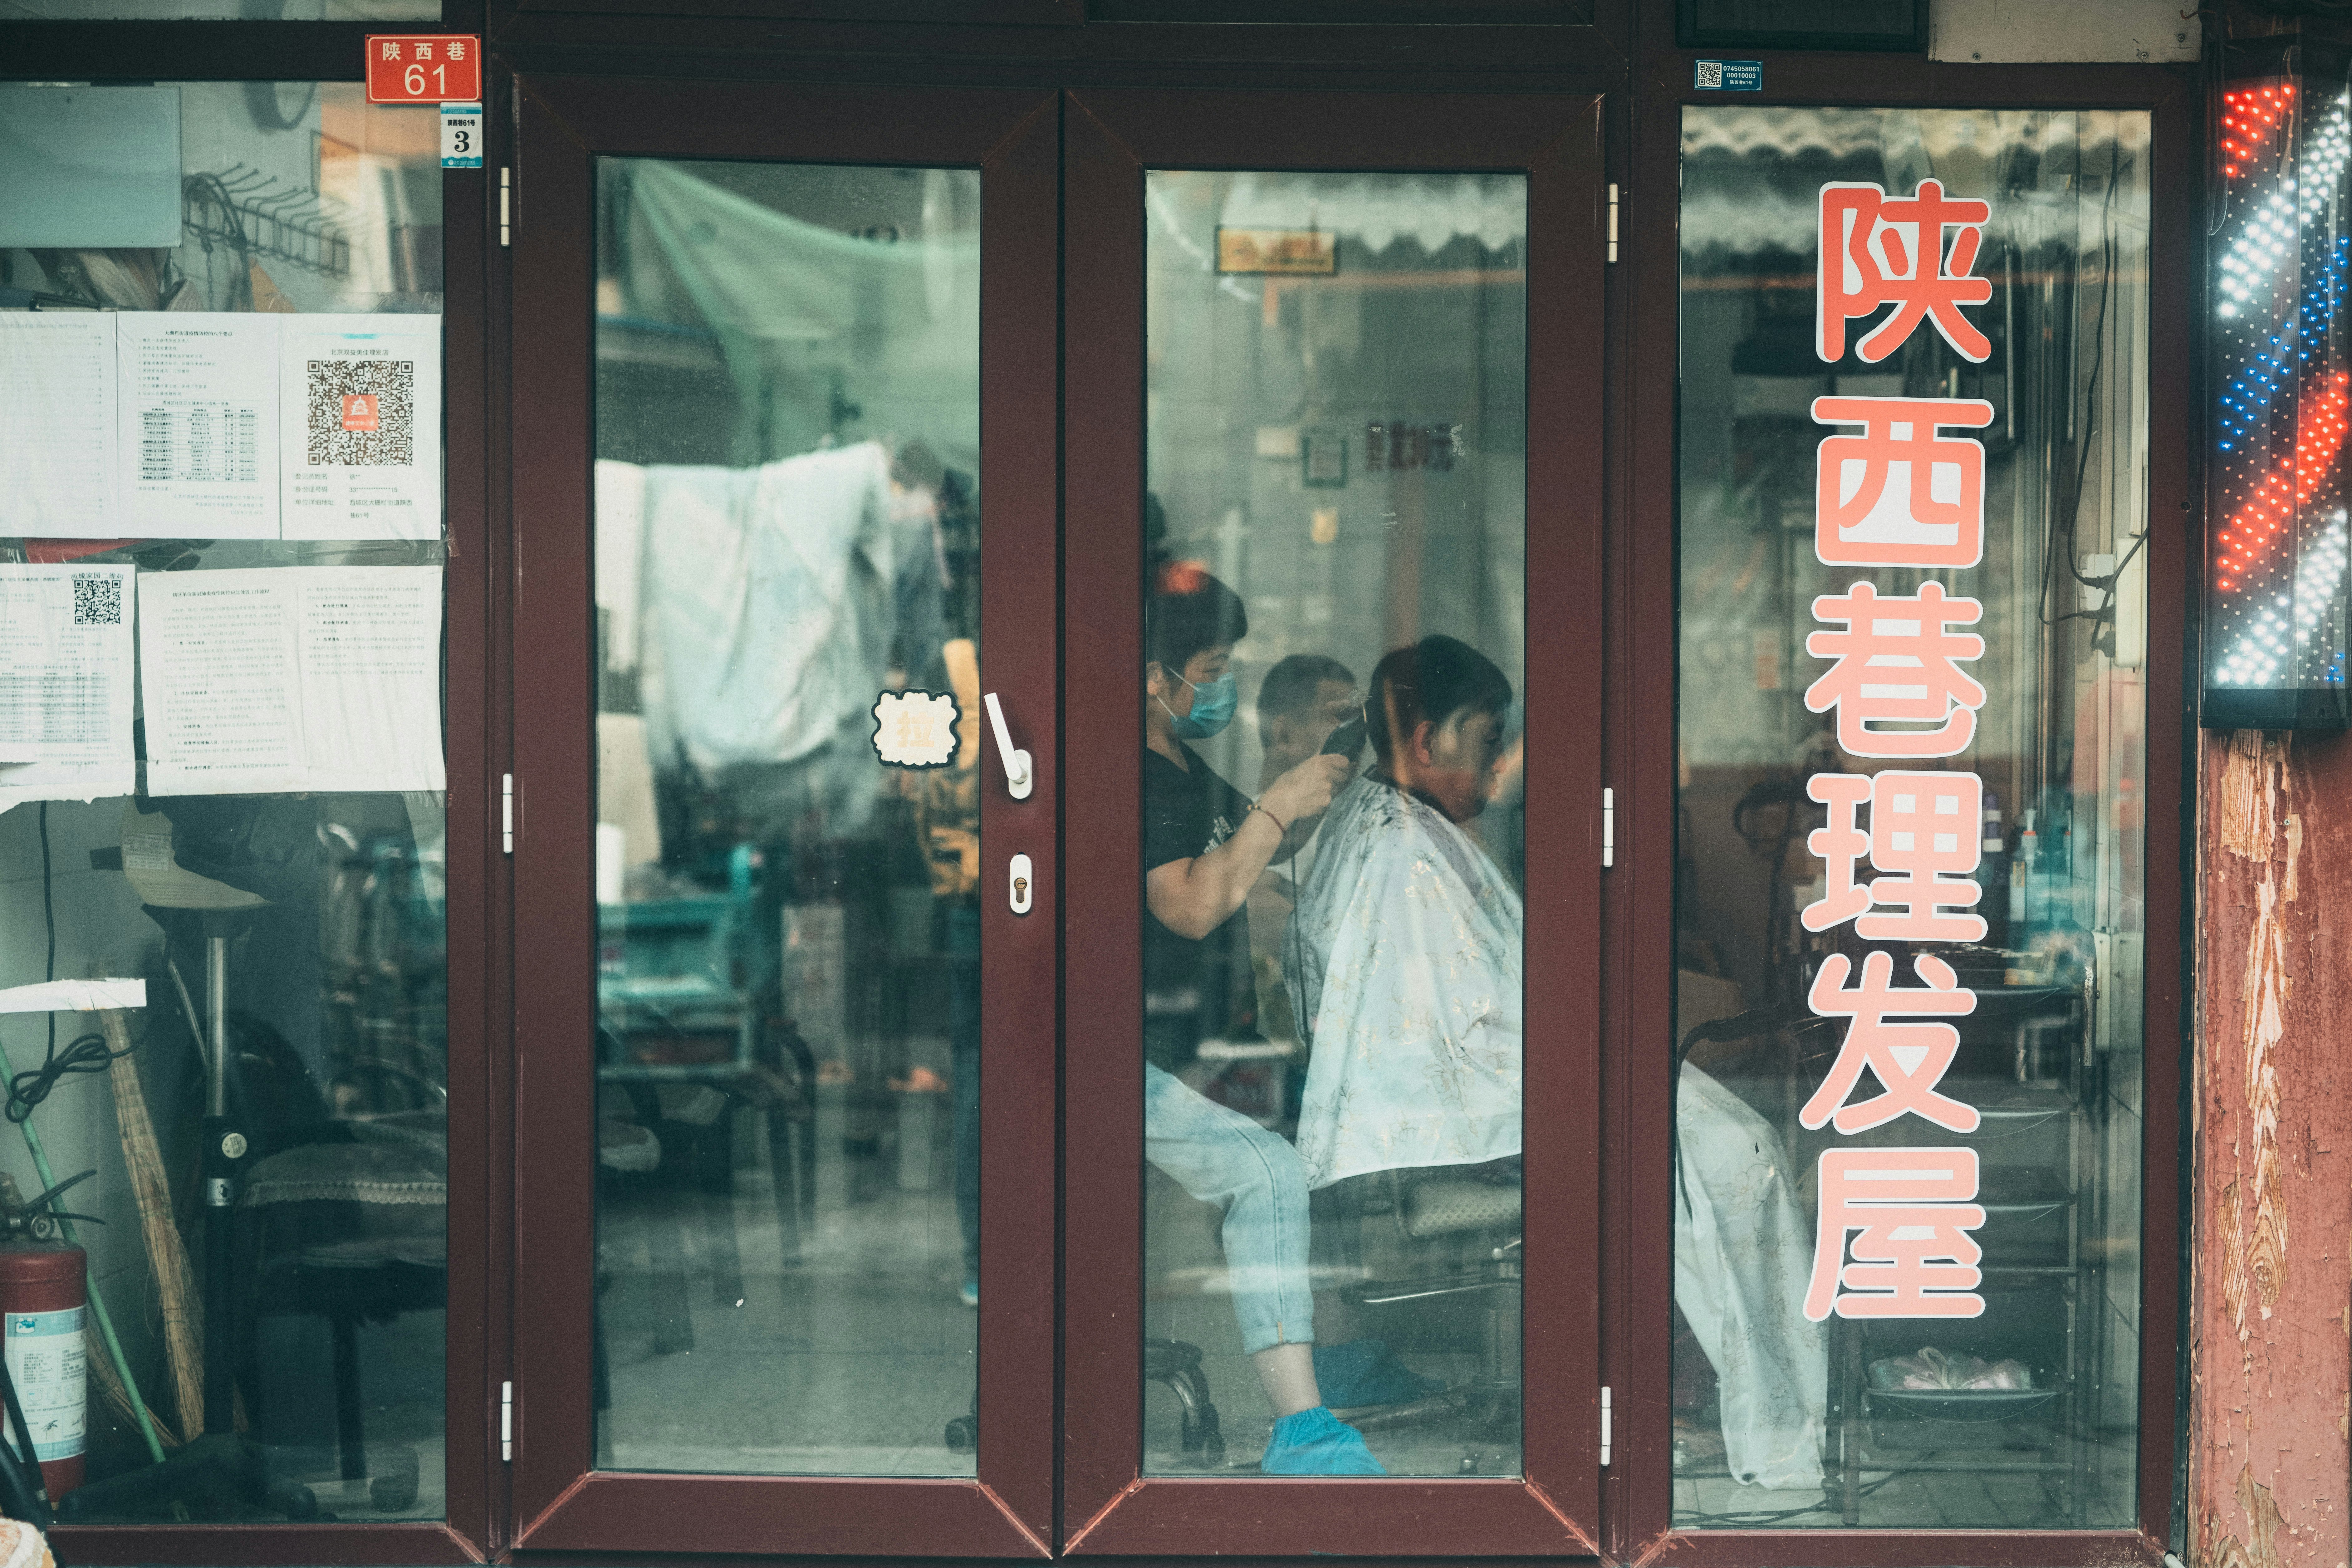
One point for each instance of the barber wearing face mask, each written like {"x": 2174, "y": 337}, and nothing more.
{"x": 1205, "y": 845}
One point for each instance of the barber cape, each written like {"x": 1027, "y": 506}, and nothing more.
{"x": 1743, "y": 1254}
{"x": 1403, "y": 962}
{"x": 1404, "y": 966}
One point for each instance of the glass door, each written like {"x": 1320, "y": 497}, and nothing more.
{"x": 1332, "y": 927}
{"x": 784, "y": 832}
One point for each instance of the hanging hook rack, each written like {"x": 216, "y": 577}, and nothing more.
{"x": 256, "y": 216}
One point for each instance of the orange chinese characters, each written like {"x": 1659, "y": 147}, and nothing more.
{"x": 1899, "y": 494}
{"x": 1896, "y": 663}
{"x": 1839, "y": 846}
{"x": 1914, "y": 1257}
{"x": 1922, "y": 831}
{"x": 1909, "y": 1060}
{"x": 1874, "y": 251}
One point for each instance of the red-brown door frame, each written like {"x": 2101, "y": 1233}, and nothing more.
{"x": 1113, "y": 136}
{"x": 560, "y": 1501}
{"x": 1644, "y": 748}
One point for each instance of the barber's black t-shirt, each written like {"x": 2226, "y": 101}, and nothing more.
{"x": 1192, "y": 991}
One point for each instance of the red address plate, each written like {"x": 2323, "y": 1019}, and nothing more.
{"x": 424, "y": 67}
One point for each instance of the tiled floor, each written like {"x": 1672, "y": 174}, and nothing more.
{"x": 1920, "y": 1499}
{"x": 851, "y": 1361}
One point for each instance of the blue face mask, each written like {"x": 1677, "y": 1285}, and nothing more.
{"x": 1213, "y": 710}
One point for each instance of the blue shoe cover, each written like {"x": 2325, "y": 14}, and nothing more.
{"x": 1317, "y": 1443}
{"x": 1367, "y": 1371}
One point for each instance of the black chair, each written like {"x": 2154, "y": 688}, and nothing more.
{"x": 353, "y": 1232}
{"x": 1468, "y": 1219}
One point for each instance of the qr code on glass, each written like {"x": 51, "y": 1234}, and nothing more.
{"x": 362, "y": 412}
{"x": 1710, "y": 73}
{"x": 98, "y": 600}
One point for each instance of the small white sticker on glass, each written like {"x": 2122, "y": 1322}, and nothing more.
{"x": 915, "y": 729}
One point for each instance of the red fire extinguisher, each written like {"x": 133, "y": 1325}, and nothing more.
{"x": 43, "y": 1301}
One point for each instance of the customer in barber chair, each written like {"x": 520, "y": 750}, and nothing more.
{"x": 1405, "y": 960}
{"x": 1205, "y": 845}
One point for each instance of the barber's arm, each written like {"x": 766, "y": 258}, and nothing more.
{"x": 1194, "y": 897}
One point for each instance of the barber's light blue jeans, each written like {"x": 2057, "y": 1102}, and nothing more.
{"x": 1221, "y": 1157}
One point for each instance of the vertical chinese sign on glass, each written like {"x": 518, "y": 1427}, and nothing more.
{"x": 2275, "y": 588}
{"x": 221, "y": 492}
{"x": 1909, "y": 890}
{"x": 788, "y": 722}
{"x": 1334, "y": 615}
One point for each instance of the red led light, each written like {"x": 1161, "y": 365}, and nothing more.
{"x": 2279, "y": 495}
{"x": 2248, "y": 117}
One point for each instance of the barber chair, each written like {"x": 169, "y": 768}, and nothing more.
{"x": 1178, "y": 1365}
{"x": 1470, "y": 1218}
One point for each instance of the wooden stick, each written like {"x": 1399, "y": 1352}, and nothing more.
{"x": 167, "y": 1252}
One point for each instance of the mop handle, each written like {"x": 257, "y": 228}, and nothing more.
{"x": 97, "y": 1301}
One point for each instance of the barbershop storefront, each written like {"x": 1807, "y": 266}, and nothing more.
{"x": 1071, "y": 777}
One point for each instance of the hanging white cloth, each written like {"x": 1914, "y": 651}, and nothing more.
{"x": 768, "y": 603}
{"x": 1404, "y": 966}
{"x": 1742, "y": 1255}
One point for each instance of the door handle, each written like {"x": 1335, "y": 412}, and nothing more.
{"x": 1017, "y": 777}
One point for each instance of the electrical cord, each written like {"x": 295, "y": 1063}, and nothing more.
{"x": 85, "y": 1054}
{"x": 2057, "y": 542}
{"x": 90, "y": 1053}
{"x": 2106, "y": 586}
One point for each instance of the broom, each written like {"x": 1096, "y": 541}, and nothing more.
{"x": 167, "y": 1254}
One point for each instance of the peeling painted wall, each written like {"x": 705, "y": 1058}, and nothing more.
{"x": 2273, "y": 1364}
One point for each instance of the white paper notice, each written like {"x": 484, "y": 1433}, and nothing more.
{"x": 198, "y": 449}
{"x": 273, "y": 679}
{"x": 57, "y": 425}
{"x": 73, "y": 995}
{"x": 65, "y": 683}
{"x": 359, "y": 408}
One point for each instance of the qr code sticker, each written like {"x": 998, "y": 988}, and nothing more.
{"x": 98, "y": 600}
{"x": 1710, "y": 73}
{"x": 362, "y": 412}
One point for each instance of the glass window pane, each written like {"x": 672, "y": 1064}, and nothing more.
{"x": 788, "y": 924}
{"x": 226, "y": 521}
{"x": 1335, "y": 531}
{"x": 1913, "y": 635}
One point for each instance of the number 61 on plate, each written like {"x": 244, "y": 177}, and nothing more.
{"x": 424, "y": 67}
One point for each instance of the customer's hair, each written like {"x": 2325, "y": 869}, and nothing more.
{"x": 1432, "y": 679}
{"x": 1290, "y": 686}
{"x": 1187, "y": 610}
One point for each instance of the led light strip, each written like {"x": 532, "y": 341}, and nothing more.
{"x": 2272, "y": 508}
{"x": 2271, "y": 229}
{"x": 2288, "y": 623}
{"x": 2247, "y": 402}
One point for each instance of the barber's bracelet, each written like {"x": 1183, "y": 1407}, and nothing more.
{"x": 1279, "y": 825}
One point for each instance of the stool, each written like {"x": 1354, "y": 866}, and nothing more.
{"x": 1178, "y": 1365}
